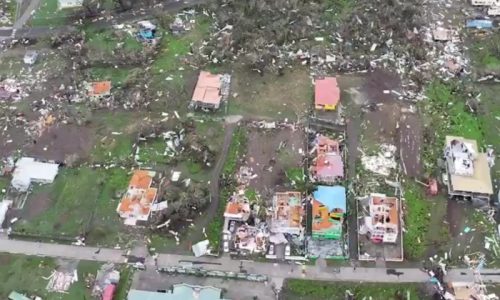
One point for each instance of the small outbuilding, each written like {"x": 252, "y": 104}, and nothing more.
{"x": 326, "y": 94}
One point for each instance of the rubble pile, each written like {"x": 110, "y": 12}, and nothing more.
{"x": 330, "y": 36}
{"x": 383, "y": 162}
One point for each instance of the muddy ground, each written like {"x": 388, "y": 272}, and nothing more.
{"x": 268, "y": 163}
{"x": 59, "y": 142}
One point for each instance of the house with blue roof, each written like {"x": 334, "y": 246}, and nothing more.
{"x": 328, "y": 212}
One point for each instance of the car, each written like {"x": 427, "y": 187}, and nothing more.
{"x": 271, "y": 249}
{"x": 226, "y": 246}
{"x": 232, "y": 226}
{"x": 287, "y": 250}
{"x": 226, "y": 236}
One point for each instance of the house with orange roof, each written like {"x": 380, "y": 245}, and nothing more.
{"x": 99, "y": 90}
{"x": 328, "y": 165}
{"x": 136, "y": 204}
{"x": 210, "y": 90}
{"x": 288, "y": 213}
{"x": 237, "y": 208}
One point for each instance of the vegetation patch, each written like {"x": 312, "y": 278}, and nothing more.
{"x": 236, "y": 150}
{"x": 48, "y": 14}
{"x": 24, "y": 274}
{"x": 152, "y": 151}
{"x": 106, "y": 41}
{"x": 446, "y": 113}
{"x": 308, "y": 289}
{"x": 118, "y": 76}
{"x": 417, "y": 218}
{"x": 82, "y": 202}
{"x": 486, "y": 53}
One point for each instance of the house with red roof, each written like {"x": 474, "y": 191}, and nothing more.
{"x": 210, "y": 90}
{"x": 326, "y": 93}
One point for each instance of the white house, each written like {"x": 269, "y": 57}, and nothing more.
{"x": 28, "y": 170}
{"x": 63, "y": 4}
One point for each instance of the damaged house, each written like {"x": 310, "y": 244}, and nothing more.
{"x": 251, "y": 239}
{"x": 328, "y": 210}
{"x": 287, "y": 213}
{"x": 467, "y": 170}
{"x": 382, "y": 223}
{"x": 210, "y": 91}
{"x": 328, "y": 165}
{"x": 136, "y": 204}
{"x": 237, "y": 209}
{"x": 99, "y": 91}
{"x": 326, "y": 93}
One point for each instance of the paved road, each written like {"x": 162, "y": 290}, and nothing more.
{"x": 274, "y": 271}
{"x": 23, "y": 19}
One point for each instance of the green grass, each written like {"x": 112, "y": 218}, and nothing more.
{"x": 102, "y": 42}
{"x": 151, "y": 152}
{"x": 4, "y": 183}
{"x": 81, "y": 201}
{"x": 485, "y": 53}
{"x": 270, "y": 96}
{"x": 126, "y": 276}
{"x": 170, "y": 57}
{"x": 173, "y": 48}
{"x": 118, "y": 76}
{"x": 212, "y": 132}
{"x": 11, "y": 10}
{"x": 114, "y": 148}
{"x": 25, "y": 274}
{"x": 236, "y": 149}
{"x": 417, "y": 218}
{"x": 160, "y": 243}
{"x": 251, "y": 194}
{"x": 445, "y": 113}
{"x": 48, "y": 14}
{"x": 308, "y": 289}
{"x": 338, "y": 10}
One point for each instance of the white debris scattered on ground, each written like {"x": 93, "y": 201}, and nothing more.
{"x": 383, "y": 162}
{"x": 61, "y": 281}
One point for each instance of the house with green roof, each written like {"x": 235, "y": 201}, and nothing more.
{"x": 179, "y": 291}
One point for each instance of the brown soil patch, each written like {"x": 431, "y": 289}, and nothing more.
{"x": 36, "y": 204}
{"x": 410, "y": 140}
{"x": 60, "y": 141}
{"x": 270, "y": 164}
{"x": 382, "y": 123}
{"x": 376, "y": 82}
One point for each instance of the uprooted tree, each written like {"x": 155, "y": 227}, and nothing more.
{"x": 183, "y": 204}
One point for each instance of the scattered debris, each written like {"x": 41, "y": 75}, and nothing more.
{"x": 60, "y": 281}
{"x": 383, "y": 162}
